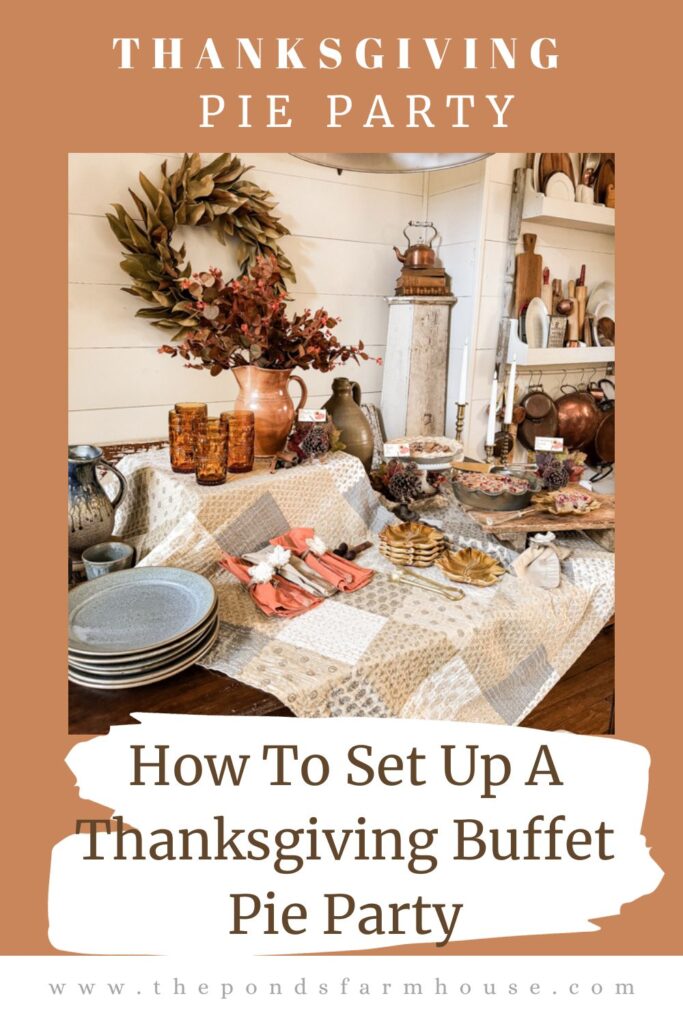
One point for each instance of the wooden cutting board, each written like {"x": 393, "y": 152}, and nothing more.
{"x": 604, "y": 179}
{"x": 601, "y": 518}
{"x": 528, "y": 274}
{"x": 552, "y": 162}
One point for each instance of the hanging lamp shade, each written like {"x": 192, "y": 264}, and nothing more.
{"x": 390, "y": 163}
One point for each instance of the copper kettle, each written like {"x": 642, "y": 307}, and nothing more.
{"x": 418, "y": 255}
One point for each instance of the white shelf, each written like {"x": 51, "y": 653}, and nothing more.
{"x": 594, "y": 355}
{"x": 564, "y": 213}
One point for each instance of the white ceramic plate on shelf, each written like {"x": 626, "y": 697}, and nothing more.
{"x": 603, "y": 292}
{"x": 604, "y": 309}
{"x": 559, "y": 186}
{"x": 536, "y": 324}
{"x": 576, "y": 165}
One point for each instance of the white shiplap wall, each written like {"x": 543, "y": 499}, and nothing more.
{"x": 342, "y": 229}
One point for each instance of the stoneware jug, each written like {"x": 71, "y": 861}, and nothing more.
{"x": 91, "y": 513}
{"x": 350, "y": 420}
{"x": 265, "y": 393}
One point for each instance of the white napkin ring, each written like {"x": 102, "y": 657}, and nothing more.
{"x": 316, "y": 544}
{"x": 262, "y": 572}
{"x": 279, "y": 556}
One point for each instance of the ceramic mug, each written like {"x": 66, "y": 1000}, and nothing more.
{"x": 111, "y": 556}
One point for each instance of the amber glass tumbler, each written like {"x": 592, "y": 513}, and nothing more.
{"x": 182, "y": 430}
{"x": 240, "y": 440}
{"x": 212, "y": 452}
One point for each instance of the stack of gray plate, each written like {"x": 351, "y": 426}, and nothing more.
{"x": 139, "y": 626}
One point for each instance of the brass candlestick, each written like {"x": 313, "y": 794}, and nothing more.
{"x": 488, "y": 448}
{"x": 460, "y": 420}
{"x": 505, "y": 444}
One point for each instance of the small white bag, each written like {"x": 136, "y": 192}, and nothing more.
{"x": 540, "y": 562}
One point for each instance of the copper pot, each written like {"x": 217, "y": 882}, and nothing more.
{"x": 540, "y": 417}
{"x": 578, "y": 416}
{"x": 601, "y": 452}
{"x": 604, "y": 438}
{"x": 265, "y": 393}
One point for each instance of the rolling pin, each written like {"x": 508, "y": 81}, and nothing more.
{"x": 573, "y": 318}
{"x": 547, "y": 290}
{"x": 581, "y": 295}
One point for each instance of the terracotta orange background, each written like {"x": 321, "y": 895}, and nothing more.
{"x": 63, "y": 93}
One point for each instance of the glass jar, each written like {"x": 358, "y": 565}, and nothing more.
{"x": 182, "y": 428}
{"x": 240, "y": 440}
{"x": 211, "y": 452}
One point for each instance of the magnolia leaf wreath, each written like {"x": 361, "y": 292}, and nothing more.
{"x": 216, "y": 195}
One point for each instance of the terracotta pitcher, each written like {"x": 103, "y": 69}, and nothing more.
{"x": 350, "y": 420}
{"x": 265, "y": 393}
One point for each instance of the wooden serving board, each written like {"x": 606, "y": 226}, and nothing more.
{"x": 528, "y": 274}
{"x": 605, "y": 177}
{"x": 516, "y": 530}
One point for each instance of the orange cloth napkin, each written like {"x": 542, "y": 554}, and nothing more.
{"x": 277, "y": 597}
{"x": 343, "y": 575}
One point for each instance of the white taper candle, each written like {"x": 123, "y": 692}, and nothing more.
{"x": 462, "y": 387}
{"x": 491, "y": 428}
{"x": 510, "y": 395}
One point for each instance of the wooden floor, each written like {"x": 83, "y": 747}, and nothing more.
{"x": 583, "y": 699}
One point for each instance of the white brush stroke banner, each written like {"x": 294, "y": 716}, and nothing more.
{"x": 165, "y": 906}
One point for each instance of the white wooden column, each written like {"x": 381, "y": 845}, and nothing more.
{"x": 416, "y": 365}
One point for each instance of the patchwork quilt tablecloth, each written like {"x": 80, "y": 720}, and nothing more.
{"x": 385, "y": 650}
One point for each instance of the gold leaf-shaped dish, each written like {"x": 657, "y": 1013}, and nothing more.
{"x": 469, "y": 565}
{"x": 400, "y": 553}
{"x": 411, "y": 535}
{"x": 410, "y": 558}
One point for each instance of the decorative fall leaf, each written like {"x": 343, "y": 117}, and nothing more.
{"x": 246, "y": 321}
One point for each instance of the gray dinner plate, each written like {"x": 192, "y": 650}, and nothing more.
{"x": 144, "y": 678}
{"x": 78, "y": 658}
{"x": 143, "y": 662}
{"x": 137, "y": 610}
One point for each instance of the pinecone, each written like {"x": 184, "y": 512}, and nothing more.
{"x": 315, "y": 442}
{"x": 555, "y": 476}
{"x": 405, "y": 484}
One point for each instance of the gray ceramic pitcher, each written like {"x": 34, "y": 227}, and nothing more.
{"x": 91, "y": 513}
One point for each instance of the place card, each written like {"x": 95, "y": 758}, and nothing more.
{"x": 312, "y": 416}
{"x": 393, "y": 450}
{"x": 549, "y": 444}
